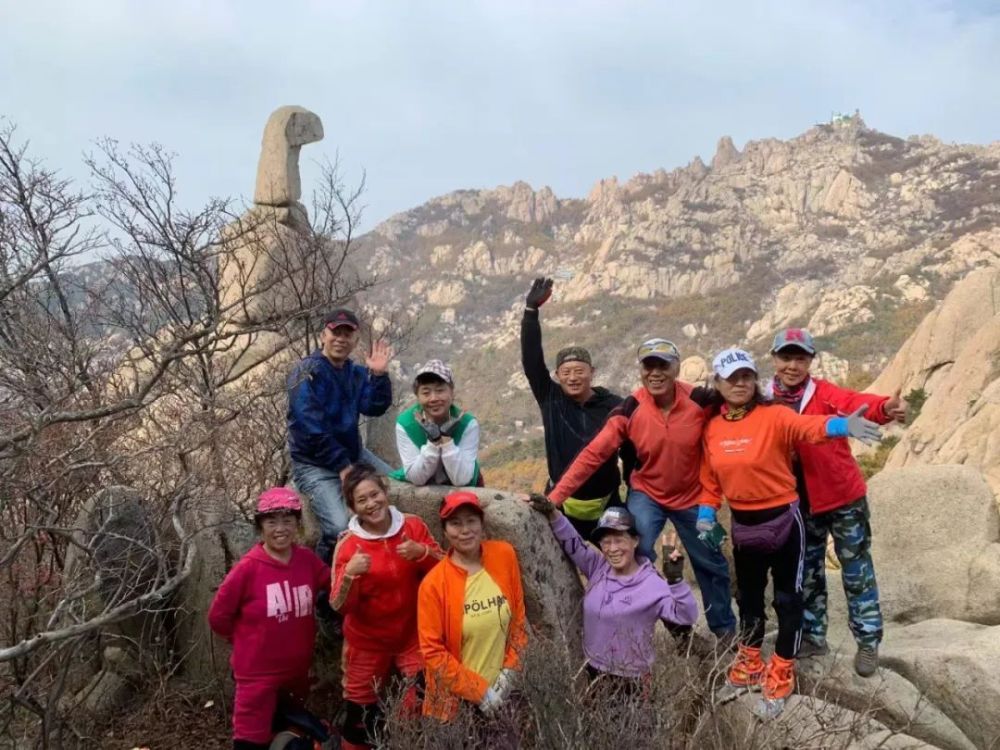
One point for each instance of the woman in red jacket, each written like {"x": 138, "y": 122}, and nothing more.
{"x": 834, "y": 499}
{"x": 378, "y": 565}
{"x": 264, "y": 607}
{"x": 747, "y": 461}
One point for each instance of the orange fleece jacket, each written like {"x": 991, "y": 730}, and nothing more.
{"x": 440, "y": 612}
{"x": 668, "y": 448}
{"x": 749, "y": 461}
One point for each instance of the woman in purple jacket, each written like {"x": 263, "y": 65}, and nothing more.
{"x": 625, "y": 597}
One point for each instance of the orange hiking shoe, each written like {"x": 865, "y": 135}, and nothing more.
{"x": 747, "y": 670}
{"x": 779, "y": 682}
{"x": 779, "y": 678}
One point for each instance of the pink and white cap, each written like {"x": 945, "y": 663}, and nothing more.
{"x": 277, "y": 499}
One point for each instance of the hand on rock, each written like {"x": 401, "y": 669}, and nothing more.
{"x": 542, "y": 504}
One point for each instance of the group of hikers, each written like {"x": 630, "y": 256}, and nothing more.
{"x": 453, "y": 620}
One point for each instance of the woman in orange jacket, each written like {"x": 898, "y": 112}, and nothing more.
{"x": 378, "y": 565}
{"x": 470, "y": 615}
{"x": 746, "y": 459}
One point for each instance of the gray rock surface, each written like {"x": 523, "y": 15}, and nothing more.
{"x": 936, "y": 544}
{"x": 956, "y": 665}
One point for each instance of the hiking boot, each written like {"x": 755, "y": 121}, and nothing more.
{"x": 747, "y": 671}
{"x": 779, "y": 678}
{"x": 866, "y": 660}
{"x": 779, "y": 682}
{"x": 811, "y": 648}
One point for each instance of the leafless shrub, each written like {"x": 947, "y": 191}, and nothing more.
{"x": 557, "y": 708}
{"x": 161, "y": 369}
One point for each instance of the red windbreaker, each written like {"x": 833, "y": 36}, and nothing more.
{"x": 380, "y": 606}
{"x": 833, "y": 478}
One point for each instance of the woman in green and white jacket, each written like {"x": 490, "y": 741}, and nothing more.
{"x": 438, "y": 443}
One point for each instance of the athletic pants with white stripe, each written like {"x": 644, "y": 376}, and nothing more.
{"x": 785, "y": 569}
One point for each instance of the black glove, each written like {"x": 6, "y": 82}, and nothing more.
{"x": 541, "y": 290}
{"x": 449, "y": 427}
{"x": 431, "y": 429}
{"x": 673, "y": 570}
{"x": 542, "y": 504}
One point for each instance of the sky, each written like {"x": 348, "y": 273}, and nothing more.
{"x": 430, "y": 97}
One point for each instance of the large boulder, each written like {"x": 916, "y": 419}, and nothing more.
{"x": 807, "y": 722}
{"x": 957, "y": 666}
{"x": 221, "y": 537}
{"x": 886, "y": 697}
{"x": 936, "y": 544}
{"x": 952, "y": 358}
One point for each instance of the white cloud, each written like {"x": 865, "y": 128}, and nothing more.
{"x": 437, "y": 96}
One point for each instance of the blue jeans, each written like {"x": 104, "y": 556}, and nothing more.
{"x": 326, "y": 498}
{"x": 710, "y": 568}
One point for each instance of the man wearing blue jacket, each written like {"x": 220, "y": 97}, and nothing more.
{"x": 327, "y": 393}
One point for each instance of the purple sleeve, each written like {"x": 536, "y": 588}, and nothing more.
{"x": 679, "y": 607}
{"x": 585, "y": 557}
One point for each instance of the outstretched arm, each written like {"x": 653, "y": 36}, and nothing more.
{"x": 532, "y": 356}
{"x": 584, "y": 557}
{"x": 598, "y": 450}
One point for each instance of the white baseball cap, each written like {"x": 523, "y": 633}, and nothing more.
{"x": 729, "y": 361}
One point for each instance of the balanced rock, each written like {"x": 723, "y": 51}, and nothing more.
{"x": 287, "y": 130}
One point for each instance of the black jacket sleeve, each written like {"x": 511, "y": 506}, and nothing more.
{"x": 532, "y": 356}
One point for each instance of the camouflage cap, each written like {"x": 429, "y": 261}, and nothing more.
{"x": 573, "y": 354}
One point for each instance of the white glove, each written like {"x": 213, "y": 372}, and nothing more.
{"x": 491, "y": 702}
{"x": 504, "y": 683}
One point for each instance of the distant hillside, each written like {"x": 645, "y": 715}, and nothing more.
{"x": 846, "y": 230}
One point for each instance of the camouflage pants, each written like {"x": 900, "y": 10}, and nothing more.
{"x": 852, "y": 539}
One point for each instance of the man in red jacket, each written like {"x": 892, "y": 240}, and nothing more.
{"x": 833, "y": 491}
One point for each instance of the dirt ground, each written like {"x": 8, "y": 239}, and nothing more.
{"x": 182, "y": 718}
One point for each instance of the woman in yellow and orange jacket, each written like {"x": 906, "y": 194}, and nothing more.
{"x": 470, "y": 615}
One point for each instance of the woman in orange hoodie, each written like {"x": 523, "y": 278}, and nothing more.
{"x": 470, "y": 615}
{"x": 747, "y": 460}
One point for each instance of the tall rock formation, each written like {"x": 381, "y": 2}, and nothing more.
{"x": 953, "y": 358}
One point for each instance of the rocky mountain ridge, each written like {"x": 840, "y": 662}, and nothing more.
{"x": 844, "y": 229}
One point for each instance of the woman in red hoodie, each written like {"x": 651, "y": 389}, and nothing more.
{"x": 264, "y": 607}
{"x": 378, "y": 565}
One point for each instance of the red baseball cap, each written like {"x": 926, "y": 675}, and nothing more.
{"x": 452, "y": 502}
{"x": 341, "y": 317}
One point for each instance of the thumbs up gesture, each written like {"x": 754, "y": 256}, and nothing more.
{"x": 895, "y": 407}
{"x": 411, "y": 550}
{"x": 359, "y": 563}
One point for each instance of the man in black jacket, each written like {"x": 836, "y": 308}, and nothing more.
{"x": 573, "y": 412}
